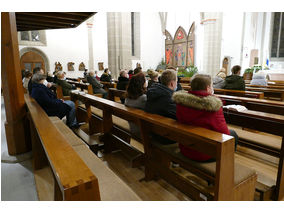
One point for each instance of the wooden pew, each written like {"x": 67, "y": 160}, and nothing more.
{"x": 268, "y": 86}
{"x": 108, "y": 85}
{"x": 223, "y": 173}
{"x": 240, "y": 93}
{"x": 50, "y": 147}
{"x": 74, "y": 79}
{"x": 59, "y": 93}
{"x": 270, "y": 93}
{"x": 262, "y": 105}
{"x": 264, "y": 122}
{"x": 82, "y": 86}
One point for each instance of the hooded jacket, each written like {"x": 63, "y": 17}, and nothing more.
{"x": 48, "y": 101}
{"x": 159, "y": 101}
{"x": 199, "y": 108}
{"x": 234, "y": 82}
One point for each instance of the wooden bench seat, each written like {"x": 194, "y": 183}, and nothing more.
{"x": 216, "y": 144}
{"x": 209, "y": 168}
{"x": 271, "y": 142}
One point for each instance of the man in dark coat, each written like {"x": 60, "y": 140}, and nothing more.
{"x": 66, "y": 87}
{"x": 50, "y": 104}
{"x": 97, "y": 86}
{"x": 106, "y": 77}
{"x": 235, "y": 81}
{"x": 159, "y": 96}
{"x": 122, "y": 83}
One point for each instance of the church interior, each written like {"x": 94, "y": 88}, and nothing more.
{"x": 142, "y": 106}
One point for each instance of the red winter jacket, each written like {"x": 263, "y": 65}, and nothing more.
{"x": 199, "y": 108}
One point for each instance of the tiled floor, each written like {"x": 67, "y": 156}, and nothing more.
{"x": 17, "y": 179}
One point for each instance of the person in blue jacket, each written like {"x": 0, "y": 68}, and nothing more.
{"x": 50, "y": 104}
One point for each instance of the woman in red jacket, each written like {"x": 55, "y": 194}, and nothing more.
{"x": 200, "y": 107}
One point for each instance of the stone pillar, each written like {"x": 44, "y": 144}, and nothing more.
{"x": 90, "y": 42}
{"x": 119, "y": 42}
{"x": 212, "y": 43}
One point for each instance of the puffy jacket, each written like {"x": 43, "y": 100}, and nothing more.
{"x": 198, "y": 108}
{"x": 48, "y": 101}
{"x": 218, "y": 82}
{"x": 159, "y": 101}
{"x": 234, "y": 82}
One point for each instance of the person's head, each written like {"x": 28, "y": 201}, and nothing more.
{"x": 86, "y": 70}
{"x": 39, "y": 78}
{"x": 169, "y": 79}
{"x": 236, "y": 70}
{"x": 60, "y": 75}
{"x": 123, "y": 73}
{"x": 137, "y": 70}
{"x": 130, "y": 72}
{"x": 223, "y": 70}
{"x": 28, "y": 74}
{"x": 106, "y": 71}
{"x": 221, "y": 75}
{"x": 171, "y": 68}
{"x": 154, "y": 76}
{"x": 91, "y": 73}
{"x": 136, "y": 86}
{"x": 201, "y": 82}
{"x": 96, "y": 73}
{"x": 49, "y": 73}
{"x": 38, "y": 70}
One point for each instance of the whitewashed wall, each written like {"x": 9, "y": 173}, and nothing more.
{"x": 71, "y": 45}
{"x": 152, "y": 40}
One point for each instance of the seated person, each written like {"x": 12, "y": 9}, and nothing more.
{"x": 200, "y": 107}
{"x": 235, "y": 81}
{"x": 159, "y": 96}
{"x": 136, "y": 97}
{"x": 137, "y": 70}
{"x": 153, "y": 78}
{"x": 50, "y": 77}
{"x": 96, "y": 75}
{"x": 66, "y": 87}
{"x": 35, "y": 71}
{"x": 50, "y": 104}
{"x": 26, "y": 79}
{"x": 106, "y": 77}
{"x": 97, "y": 86}
{"x": 219, "y": 80}
{"x": 258, "y": 79}
{"x": 130, "y": 74}
{"x": 85, "y": 73}
{"x": 122, "y": 82}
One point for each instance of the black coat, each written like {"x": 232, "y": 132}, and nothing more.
{"x": 48, "y": 101}
{"x": 105, "y": 77}
{"x": 159, "y": 101}
{"x": 122, "y": 83}
{"x": 234, "y": 82}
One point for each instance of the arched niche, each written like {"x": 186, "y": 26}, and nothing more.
{"x": 191, "y": 45}
{"x": 180, "y": 48}
{"x": 168, "y": 49}
{"x": 38, "y": 51}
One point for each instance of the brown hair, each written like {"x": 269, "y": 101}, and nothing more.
{"x": 136, "y": 86}
{"x": 200, "y": 82}
{"x": 137, "y": 70}
{"x": 236, "y": 69}
{"x": 28, "y": 74}
{"x": 168, "y": 76}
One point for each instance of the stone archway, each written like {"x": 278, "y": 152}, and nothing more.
{"x": 38, "y": 51}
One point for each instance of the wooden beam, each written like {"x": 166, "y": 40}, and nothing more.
{"x": 16, "y": 134}
{"x": 20, "y": 17}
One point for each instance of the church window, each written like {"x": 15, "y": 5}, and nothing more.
{"x": 277, "y": 43}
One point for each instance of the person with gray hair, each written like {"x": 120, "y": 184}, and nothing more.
{"x": 50, "y": 104}
{"x": 66, "y": 87}
{"x": 97, "y": 86}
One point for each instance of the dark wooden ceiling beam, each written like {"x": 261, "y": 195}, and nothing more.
{"x": 44, "y": 20}
{"x": 57, "y": 15}
{"x": 30, "y": 23}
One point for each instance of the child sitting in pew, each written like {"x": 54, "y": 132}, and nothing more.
{"x": 200, "y": 107}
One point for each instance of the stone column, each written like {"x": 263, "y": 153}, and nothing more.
{"x": 119, "y": 42}
{"x": 212, "y": 43}
{"x": 90, "y": 42}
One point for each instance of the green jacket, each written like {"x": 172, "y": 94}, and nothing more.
{"x": 66, "y": 87}
{"x": 234, "y": 82}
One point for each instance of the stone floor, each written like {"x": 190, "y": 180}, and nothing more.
{"x": 17, "y": 179}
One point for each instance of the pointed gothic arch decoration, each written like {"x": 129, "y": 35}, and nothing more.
{"x": 180, "y": 48}
{"x": 168, "y": 49}
{"x": 191, "y": 45}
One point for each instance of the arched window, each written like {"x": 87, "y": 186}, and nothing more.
{"x": 190, "y": 45}
{"x": 180, "y": 46}
{"x": 168, "y": 49}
